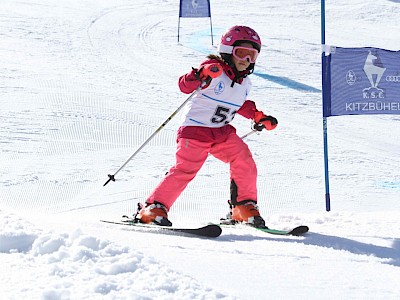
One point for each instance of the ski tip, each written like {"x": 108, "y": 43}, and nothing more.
{"x": 212, "y": 230}
{"x": 300, "y": 230}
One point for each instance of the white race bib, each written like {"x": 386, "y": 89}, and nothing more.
{"x": 216, "y": 105}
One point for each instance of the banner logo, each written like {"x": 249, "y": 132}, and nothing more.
{"x": 374, "y": 70}
{"x": 195, "y": 4}
{"x": 351, "y": 77}
{"x": 392, "y": 78}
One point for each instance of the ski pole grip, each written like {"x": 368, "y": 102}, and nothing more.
{"x": 258, "y": 127}
{"x": 206, "y": 81}
{"x": 111, "y": 177}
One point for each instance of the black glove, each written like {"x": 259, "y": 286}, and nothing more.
{"x": 263, "y": 121}
{"x": 257, "y": 126}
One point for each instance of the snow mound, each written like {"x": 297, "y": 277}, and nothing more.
{"x": 75, "y": 265}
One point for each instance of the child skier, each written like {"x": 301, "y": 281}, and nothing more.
{"x": 206, "y": 130}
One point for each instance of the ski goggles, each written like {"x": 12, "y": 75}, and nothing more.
{"x": 244, "y": 53}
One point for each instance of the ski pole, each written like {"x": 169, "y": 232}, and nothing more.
{"x": 247, "y": 134}
{"x": 112, "y": 177}
{"x": 255, "y": 128}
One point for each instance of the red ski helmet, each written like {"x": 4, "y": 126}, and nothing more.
{"x": 236, "y": 35}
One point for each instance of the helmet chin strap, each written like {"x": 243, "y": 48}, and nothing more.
{"x": 228, "y": 60}
{"x": 239, "y": 76}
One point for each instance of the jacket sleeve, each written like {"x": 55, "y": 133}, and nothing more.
{"x": 188, "y": 83}
{"x": 248, "y": 109}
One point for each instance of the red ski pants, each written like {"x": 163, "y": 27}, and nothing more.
{"x": 191, "y": 155}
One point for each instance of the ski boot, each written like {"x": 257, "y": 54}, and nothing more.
{"x": 152, "y": 213}
{"x": 244, "y": 212}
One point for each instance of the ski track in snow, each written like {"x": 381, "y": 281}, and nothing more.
{"x": 84, "y": 84}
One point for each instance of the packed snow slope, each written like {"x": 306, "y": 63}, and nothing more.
{"x": 85, "y": 83}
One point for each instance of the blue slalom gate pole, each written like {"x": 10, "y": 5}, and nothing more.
{"x": 324, "y": 120}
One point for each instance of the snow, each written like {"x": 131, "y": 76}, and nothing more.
{"x": 85, "y": 83}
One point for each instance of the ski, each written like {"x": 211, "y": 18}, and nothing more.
{"x": 297, "y": 231}
{"x": 210, "y": 231}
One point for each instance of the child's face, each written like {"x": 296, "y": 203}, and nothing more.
{"x": 242, "y": 65}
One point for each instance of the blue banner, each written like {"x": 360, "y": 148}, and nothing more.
{"x": 194, "y": 9}
{"x": 359, "y": 81}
